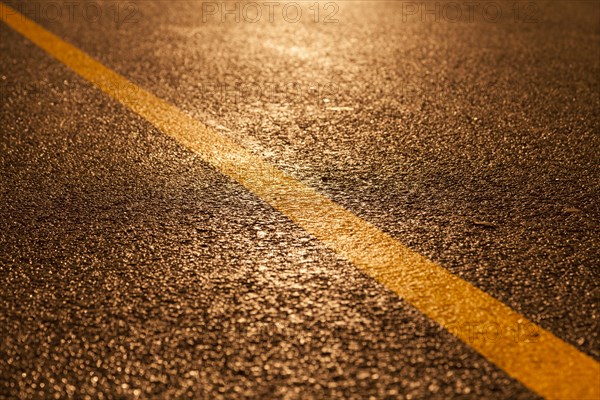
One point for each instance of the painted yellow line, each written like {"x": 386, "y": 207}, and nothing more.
{"x": 532, "y": 355}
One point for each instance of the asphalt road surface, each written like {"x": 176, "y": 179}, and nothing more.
{"x": 134, "y": 266}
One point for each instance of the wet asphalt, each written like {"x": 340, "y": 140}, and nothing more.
{"x": 131, "y": 268}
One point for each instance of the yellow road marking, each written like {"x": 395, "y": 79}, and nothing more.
{"x": 534, "y": 356}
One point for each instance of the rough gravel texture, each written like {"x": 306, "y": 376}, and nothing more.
{"x": 129, "y": 267}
